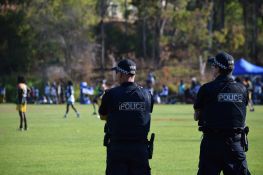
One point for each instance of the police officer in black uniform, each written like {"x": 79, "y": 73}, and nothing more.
{"x": 126, "y": 109}
{"x": 220, "y": 109}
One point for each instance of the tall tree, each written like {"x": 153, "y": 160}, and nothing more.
{"x": 103, "y": 5}
{"x": 142, "y": 25}
{"x": 61, "y": 31}
{"x": 13, "y": 46}
{"x": 218, "y": 14}
{"x": 251, "y": 15}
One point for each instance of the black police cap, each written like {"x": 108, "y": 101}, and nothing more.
{"x": 222, "y": 60}
{"x": 126, "y": 66}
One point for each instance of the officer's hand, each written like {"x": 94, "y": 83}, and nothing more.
{"x": 103, "y": 117}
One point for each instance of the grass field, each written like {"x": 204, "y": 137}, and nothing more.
{"x": 57, "y": 146}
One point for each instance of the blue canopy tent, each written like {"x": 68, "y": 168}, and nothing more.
{"x": 243, "y": 67}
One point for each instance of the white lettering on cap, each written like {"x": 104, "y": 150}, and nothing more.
{"x": 133, "y": 67}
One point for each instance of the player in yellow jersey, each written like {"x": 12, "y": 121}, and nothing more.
{"x": 22, "y": 91}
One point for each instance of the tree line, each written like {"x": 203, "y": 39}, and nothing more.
{"x": 78, "y": 39}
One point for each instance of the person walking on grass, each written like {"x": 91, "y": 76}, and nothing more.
{"x": 22, "y": 91}
{"x": 70, "y": 99}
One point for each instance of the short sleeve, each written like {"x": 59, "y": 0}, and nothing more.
{"x": 199, "y": 102}
{"x": 103, "y": 109}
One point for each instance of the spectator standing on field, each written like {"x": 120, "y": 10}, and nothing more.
{"x": 249, "y": 86}
{"x": 53, "y": 93}
{"x": 181, "y": 91}
{"x": 258, "y": 91}
{"x": 195, "y": 86}
{"x": 60, "y": 93}
{"x": 36, "y": 95}
{"x": 2, "y": 94}
{"x": 150, "y": 82}
{"x": 164, "y": 94}
{"x": 47, "y": 91}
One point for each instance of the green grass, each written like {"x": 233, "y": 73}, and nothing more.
{"x": 57, "y": 146}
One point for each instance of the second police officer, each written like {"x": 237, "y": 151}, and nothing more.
{"x": 126, "y": 109}
{"x": 220, "y": 109}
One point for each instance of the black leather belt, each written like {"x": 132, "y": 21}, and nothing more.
{"x": 224, "y": 132}
{"x": 112, "y": 140}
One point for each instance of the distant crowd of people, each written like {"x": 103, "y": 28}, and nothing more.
{"x": 186, "y": 94}
{"x": 55, "y": 93}
{"x": 183, "y": 94}
{"x": 255, "y": 90}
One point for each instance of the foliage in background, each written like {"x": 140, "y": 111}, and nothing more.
{"x": 67, "y": 39}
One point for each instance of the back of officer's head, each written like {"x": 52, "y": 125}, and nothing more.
{"x": 126, "y": 67}
{"x": 224, "y": 61}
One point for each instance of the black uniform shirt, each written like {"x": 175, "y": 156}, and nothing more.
{"x": 222, "y": 103}
{"x": 128, "y": 109}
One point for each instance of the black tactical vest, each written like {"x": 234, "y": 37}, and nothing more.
{"x": 129, "y": 112}
{"x": 224, "y": 104}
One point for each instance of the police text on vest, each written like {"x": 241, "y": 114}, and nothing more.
{"x": 229, "y": 97}
{"x": 132, "y": 106}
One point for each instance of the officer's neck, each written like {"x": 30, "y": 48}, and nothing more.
{"x": 215, "y": 72}
{"x": 223, "y": 76}
{"x": 125, "y": 83}
{"x": 126, "y": 79}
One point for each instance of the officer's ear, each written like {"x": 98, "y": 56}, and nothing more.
{"x": 121, "y": 75}
{"x": 125, "y": 76}
{"x": 131, "y": 75}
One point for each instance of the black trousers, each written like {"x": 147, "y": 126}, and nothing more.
{"x": 222, "y": 153}
{"x": 127, "y": 159}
